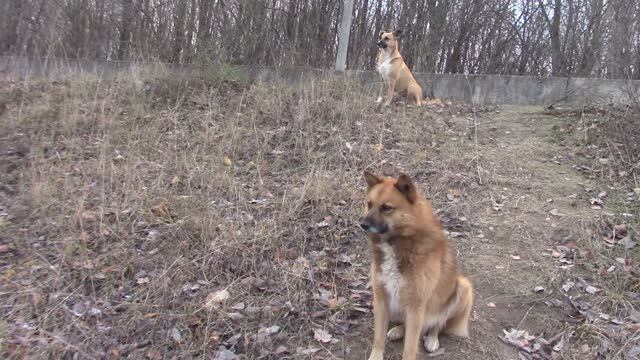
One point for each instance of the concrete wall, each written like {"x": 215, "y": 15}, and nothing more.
{"x": 480, "y": 89}
{"x": 521, "y": 90}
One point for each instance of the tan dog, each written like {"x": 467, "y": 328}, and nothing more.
{"x": 396, "y": 76}
{"x": 415, "y": 278}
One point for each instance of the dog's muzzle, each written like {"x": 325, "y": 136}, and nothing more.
{"x": 370, "y": 227}
{"x": 381, "y": 44}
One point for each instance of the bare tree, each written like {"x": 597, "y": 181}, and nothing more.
{"x": 527, "y": 37}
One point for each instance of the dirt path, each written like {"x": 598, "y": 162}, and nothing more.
{"x": 504, "y": 248}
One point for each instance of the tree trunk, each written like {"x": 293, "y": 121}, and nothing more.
{"x": 345, "y": 30}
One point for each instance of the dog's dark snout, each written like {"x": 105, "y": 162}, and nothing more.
{"x": 365, "y": 225}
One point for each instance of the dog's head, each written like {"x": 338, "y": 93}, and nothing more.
{"x": 390, "y": 204}
{"x": 388, "y": 39}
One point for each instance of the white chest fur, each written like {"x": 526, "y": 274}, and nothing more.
{"x": 392, "y": 281}
{"x": 384, "y": 66}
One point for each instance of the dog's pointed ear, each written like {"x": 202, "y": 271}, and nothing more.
{"x": 397, "y": 33}
{"x": 407, "y": 188}
{"x": 372, "y": 180}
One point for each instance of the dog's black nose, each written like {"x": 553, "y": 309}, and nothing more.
{"x": 365, "y": 226}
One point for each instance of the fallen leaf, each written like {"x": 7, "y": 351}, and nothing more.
{"x": 175, "y": 335}
{"x": 555, "y": 212}
{"x": 322, "y": 336}
{"x": 225, "y": 354}
{"x": 538, "y": 289}
{"x": 568, "y": 286}
{"x": 307, "y": 351}
{"x": 596, "y": 202}
{"x": 454, "y": 192}
{"x": 491, "y": 305}
{"x": 332, "y": 303}
{"x": 265, "y": 332}
{"x": 153, "y": 355}
{"x": 602, "y": 194}
{"x": 627, "y": 242}
{"x": 113, "y": 354}
{"x": 558, "y": 346}
{"x": 227, "y": 161}
{"x": 280, "y": 350}
{"x": 78, "y": 309}
{"x": 378, "y": 147}
{"x": 515, "y": 257}
{"x": 235, "y": 316}
{"x": 238, "y": 306}
{"x": 215, "y": 299}
{"x": 175, "y": 181}
{"x": 591, "y": 290}
{"x": 160, "y": 210}
{"x": 88, "y": 215}
{"x": 348, "y": 146}
{"x": 322, "y": 224}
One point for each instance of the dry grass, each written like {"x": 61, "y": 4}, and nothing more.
{"x": 126, "y": 201}
{"x": 246, "y": 171}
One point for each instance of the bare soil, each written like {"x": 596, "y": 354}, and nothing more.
{"x": 161, "y": 217}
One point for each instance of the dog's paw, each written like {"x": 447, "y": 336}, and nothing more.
{"x": 396, "y": 333}
{"x": 379, "y": 100}
{"x": 431, "y": 343}
{"x": 376, "y": 355}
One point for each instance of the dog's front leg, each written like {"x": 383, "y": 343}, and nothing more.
{"x": 414, "y": 319}
{"x": 390, "y": 91}
{"x": 381, "y": 322}
{"x": 381, "y": 91}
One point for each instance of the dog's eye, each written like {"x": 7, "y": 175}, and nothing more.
{"x": 369, "y": 205}
{"x": 386, "y": 38}
{"x": 386, "y": 208}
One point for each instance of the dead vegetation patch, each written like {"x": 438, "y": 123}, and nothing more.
{"x": 152, "y": 215}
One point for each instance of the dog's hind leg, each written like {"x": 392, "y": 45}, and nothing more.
{"x": 396, "y": 333}
{"x": 431, "y": 342}
{"x": 414, "y": 95}
{"x": 458, "y": 324}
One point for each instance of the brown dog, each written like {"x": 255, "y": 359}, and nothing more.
{"x": 415, "y": 278}
{"x": 396, "y": 76}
